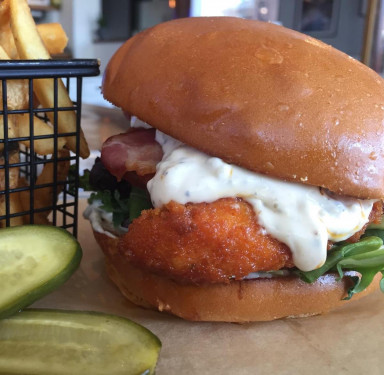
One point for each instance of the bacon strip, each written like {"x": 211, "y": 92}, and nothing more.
{"x": 136, "y": 150}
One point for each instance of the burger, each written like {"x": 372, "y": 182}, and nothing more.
{"x": 249, "y": 186}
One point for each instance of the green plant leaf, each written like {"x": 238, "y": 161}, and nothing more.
{"x": 365, "y": 257}
{"x": 339, "y": 252}
{"x": 122, "y": 209}
{"x": 374, "y": 232}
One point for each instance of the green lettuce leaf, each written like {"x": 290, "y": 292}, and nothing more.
{"x": 84, "y": 181}
{"x": 365, "y": 257}
{"x": 124, "y": 210}
{"x": 374, "y": 232}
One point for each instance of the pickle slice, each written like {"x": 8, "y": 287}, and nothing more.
{"x": 68, "y": 342}
{"x": 34, "y": 260}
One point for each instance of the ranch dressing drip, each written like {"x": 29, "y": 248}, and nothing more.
{"x": 301, "y": 216}
{"x": 102, "y": 221}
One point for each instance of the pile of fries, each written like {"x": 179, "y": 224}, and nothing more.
{"x": 22, "y": 39}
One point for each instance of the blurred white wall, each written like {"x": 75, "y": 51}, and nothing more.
{"x": 79, "y": 19}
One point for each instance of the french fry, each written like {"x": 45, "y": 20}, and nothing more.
{"x": 41, "y": 146}
{"x": 6, "y": 36}
{"x": 17, "y": 89}
{"x": 13, "y": 131}
{"x": 4, "y": 12}
{"x": 20, "y": 38}
{"x": 17, "y": 94}
{"x": 44, "y": 197}
{"x": 52, "y": 34}
{"x": 13, "y": 158}
{"x": 15, "y": 205}
{"x": 24, "y": 197}
{"x": 30, "y": 46}
{"x": 54, "y": 37}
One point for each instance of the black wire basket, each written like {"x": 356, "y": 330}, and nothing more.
{"x": 40, "y": 187}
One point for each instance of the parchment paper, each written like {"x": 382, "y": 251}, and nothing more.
{"x": 347, "y": 341}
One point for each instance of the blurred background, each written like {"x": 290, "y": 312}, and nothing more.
{"x": 96, "y": 28}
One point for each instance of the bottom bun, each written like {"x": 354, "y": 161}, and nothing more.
{"x": 237, "y": 301}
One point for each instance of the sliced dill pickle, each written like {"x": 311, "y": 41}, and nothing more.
{"x": 34, "y": 260}
{"x": 73, "y": 342}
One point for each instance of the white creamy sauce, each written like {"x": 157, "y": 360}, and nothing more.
{"x": 101, "y": 220}
{"x": 267, "y": 275}
{"x": 301, "y": 216}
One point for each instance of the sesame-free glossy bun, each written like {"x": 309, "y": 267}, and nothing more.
{"x": 260, "y": 96}
{"x": 238, "y": 301}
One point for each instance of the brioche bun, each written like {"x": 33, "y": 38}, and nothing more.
{"x": 260, "y": 96}
{"x": 238, "y": 301}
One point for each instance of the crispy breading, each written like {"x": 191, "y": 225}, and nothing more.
{"x": 204, "y": 242}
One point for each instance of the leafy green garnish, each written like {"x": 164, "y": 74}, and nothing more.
{"x": 374, "y": 232}
{"x": 365, "y": 257}
{"x": 122, "y": 209}
{"x": 84, "y": 181}
{"x": 138, "y": 201}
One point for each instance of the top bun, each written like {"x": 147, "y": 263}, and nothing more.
{"x": 260, "y": 96}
